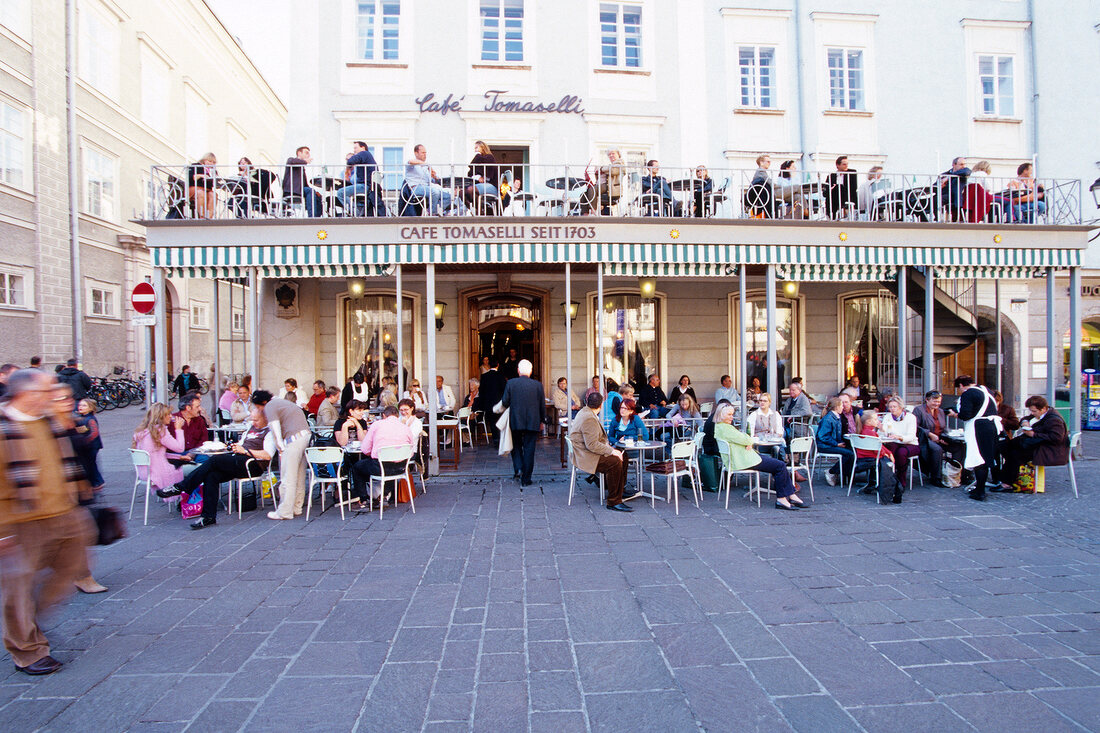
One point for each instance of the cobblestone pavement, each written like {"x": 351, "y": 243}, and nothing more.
{"x": 492, "y": 609}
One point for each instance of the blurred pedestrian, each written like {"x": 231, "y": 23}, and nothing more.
{"x": 44, "y": 533}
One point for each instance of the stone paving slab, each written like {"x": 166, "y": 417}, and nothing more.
{"x": 492, "y": 609}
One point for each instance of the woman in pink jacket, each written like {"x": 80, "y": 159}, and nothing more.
{"x": 153, "y": 437}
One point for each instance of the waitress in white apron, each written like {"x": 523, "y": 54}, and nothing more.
{"x": 981, "y": 425}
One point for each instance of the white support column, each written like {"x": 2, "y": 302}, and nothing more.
{"x": 433, "y": 395}
{"x": 254, "y": 326}
{"x": 161, "y": 336}
{"x": 599, "y": 330}
{"x": 216, "y": 387}
{"x": 401, "y": 341}
{"x": 1075, "y": 348}
{"x": 903, "y": 332}
{"x": 774, "y": 389}
{"x": 743, "y": 366}
{"x": 1000, "y": 335}
{"x": 929, "y": 328}
{"x": 568, "y": 330}
{"x": 1054, "y": 375}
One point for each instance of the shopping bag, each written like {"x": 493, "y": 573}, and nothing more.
{"x": 405, "y": 487}
{"x": 267, "y": 485}
{"x": 952, "y": 474}
{"x": 504, "y": 425}
{"x": 1025, "y": 482}
{"x": 191, "y": 504}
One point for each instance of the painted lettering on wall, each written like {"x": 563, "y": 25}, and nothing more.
{"x": 496, "y": 100}
{"x": 496, "y": 233}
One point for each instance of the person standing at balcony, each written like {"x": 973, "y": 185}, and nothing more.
{"x": 485, "y": 174}
{"x": 288, "y": 424}
{"x": 295, "y": 183}
{"x": 201, "y": 179}
{"x": 361, "y": 168}
{"x": 420, "y": 178}
{"x": 657, "y": 193}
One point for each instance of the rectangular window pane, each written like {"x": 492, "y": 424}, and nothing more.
{"x": 609, "y": 34}
{"x": 12, "y": 290}
{"x": 392, "y": 163}
{"x": 12, "y": 142}
{"x": 98, "y": 49}
{"x": 855, "y": 80}
{"x": 629, "y": 338}
{"x": 513, "y": 30}
{"x": 767, "y": 77}
{"x": 746, "y": 63}
{"x": 155, "y": 82}
{"x": 391, "y": 16}
{"x": 1004, "y": 86}
{"x": 632, "y": 35}
{"x": 364, "y": 30}
{"x": 836, "y": 78}
{"x": 99, "y": 184}
{"x": 490, "y": 30}
{"x": 370, "y": 329}
{"x": 756, "y": 346}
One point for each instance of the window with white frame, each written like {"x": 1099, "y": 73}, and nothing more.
{"x": 102, "y": 300}
{"x": 148, "y": 193}
{"x": 198, "y": 125}
{"x": 13, "y": 145}
{"x": 392, "y": 164}
{"x": 14, "y": 288}
{"x": 621, "y": 35}
{"x": 100, "y": 183}
{"x": 15, "y": 15}
{"x": 234, "y": 144}
{"x": 377, "y": 30}
{"x": 757, "y": 68}
{"x": 846, "y": 88}
{"x": 200, "y": 314}
{"x": 156, "y": 80}
{"x": 502, "y": 30}
{"x": 996, "y": 81}
{"x": 98, "y": 54}
{"x": 238, "y": 321}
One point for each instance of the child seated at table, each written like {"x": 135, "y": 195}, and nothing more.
{"x": 888, "y": 487}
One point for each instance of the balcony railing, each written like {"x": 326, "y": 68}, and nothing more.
{"x": 229, "y": 192}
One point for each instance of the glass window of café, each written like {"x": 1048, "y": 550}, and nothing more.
{"x": 370, "y": 337}
{"x": 755, "y": 347}
{"x": 869, "y": 330}
{"x": 631, "y": 336}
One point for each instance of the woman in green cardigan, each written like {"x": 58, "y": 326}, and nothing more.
{"x": 742, "y": 456}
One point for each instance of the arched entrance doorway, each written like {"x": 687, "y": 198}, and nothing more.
{"x": 502, "y": 320}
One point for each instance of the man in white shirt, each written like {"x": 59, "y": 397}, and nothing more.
{"x": 727, "y": 392}
{"x": 446, "y": 395}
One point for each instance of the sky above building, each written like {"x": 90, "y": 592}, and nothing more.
{"x": 263, "y": 29}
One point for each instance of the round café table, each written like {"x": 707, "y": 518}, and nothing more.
{"x": 640, "y": 447}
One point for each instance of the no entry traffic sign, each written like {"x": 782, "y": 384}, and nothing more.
{"x": 144, "y": 298}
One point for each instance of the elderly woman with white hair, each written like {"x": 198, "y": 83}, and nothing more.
{"x": 899, "y": 436}
{"x": 742, "y": 456}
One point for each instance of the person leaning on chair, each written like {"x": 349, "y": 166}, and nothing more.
{"x": 593, "y": 453}
{"x": 525, "y": 399}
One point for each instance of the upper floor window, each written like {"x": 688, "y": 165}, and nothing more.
{"x": 156, "y": 81}
{"x": 13, "y": 289}
{"x": 13, "y": 145}
{"x": 757, "y": 66}
{"x": 200, "y": 314}
{"x": 995, "y": 77}
{"x": 197, "y": 134}
{"x": 391, "y": 163}
{"x": 846, "y": 90}
{"x": 100, "y": 184}
{"x": 15, "y": 15}
{"x": 502, "y": 30}
{"x": 102, "y": 302}
{"x": 377, "y": 30}
{"x": 621, "y": 35}
{"x": 99, "y": 48}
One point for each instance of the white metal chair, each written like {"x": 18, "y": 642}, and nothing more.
{"x": 825, "y": 457}
{"x": 315, "y": 458}
{"x": 914, "y": 467}
{"x": 237, "y": 485}
{"x": 573, "y": 475}
{"x": 1074, "y": 444}
{"x": 871, "y": 443}
{"x": 141, "y": 460}
{"x": 391, "y": 454}
{"x": 727, "y": 475}
{"x": 801, "y": 448}
{"x": 683, "y": 453}
{"x": 706, "y": 408}
{"x": 464, "y": 417}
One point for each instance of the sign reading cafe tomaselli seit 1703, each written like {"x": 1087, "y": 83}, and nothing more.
{"x": 496, "y": 100}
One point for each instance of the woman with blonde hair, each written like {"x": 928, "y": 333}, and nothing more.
{"x": 741, "y": 456}
{"x": 485, "y": 174}
{"x": 201, "y": 179}
{"x": 154, "y": 437}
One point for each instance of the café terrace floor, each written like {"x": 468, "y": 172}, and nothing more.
{"x": 493, "y": 609}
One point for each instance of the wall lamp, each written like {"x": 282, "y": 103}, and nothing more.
{"x": 440, "y": 310}
{"x": 570, "y": 309}
{"x": 1094, "y": 189}
{"x": 648, "y": 287}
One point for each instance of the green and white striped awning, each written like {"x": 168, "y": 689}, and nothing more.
{"x": 832, "y": 262}
{"x": 958, "y": 272}
{"x": 836, "y": 273}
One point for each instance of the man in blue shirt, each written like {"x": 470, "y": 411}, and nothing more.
{"x": 657, "y": 191}
{"x": 361, "y": 167}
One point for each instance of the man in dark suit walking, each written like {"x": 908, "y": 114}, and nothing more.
{"x": 527, "y": 400}
{"x": 489, "y": 393}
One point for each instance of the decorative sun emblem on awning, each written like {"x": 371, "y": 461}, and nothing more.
{"x": 675, "y": 234}
{"x": 322, "y": 234}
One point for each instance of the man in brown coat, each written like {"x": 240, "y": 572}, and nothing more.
{"x": 594, "y": 454}
{"x": 43, "y": 530}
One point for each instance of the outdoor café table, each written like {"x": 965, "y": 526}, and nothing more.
{"x": 230, "y": 430}
{"x": 327, "y": 186}
{"x": 449, "y": 424}
{"x": 640, "y": 447}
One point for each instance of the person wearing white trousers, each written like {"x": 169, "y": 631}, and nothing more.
{"x": 288, "y": 424}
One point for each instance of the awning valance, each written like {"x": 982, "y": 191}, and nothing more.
{"x": 691, "y": 259}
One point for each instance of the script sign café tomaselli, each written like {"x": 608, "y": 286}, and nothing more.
{"x": 496, "y": 101}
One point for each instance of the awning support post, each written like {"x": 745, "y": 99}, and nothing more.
{"x": 433, "y": 395}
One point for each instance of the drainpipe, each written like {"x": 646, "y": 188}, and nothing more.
{"x": 74, "y": 190}
{"x": 1034, "y": 81}
{"x": 798, "y": 76}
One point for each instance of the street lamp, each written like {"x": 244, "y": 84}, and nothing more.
{"x": 1095, "y": 190}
